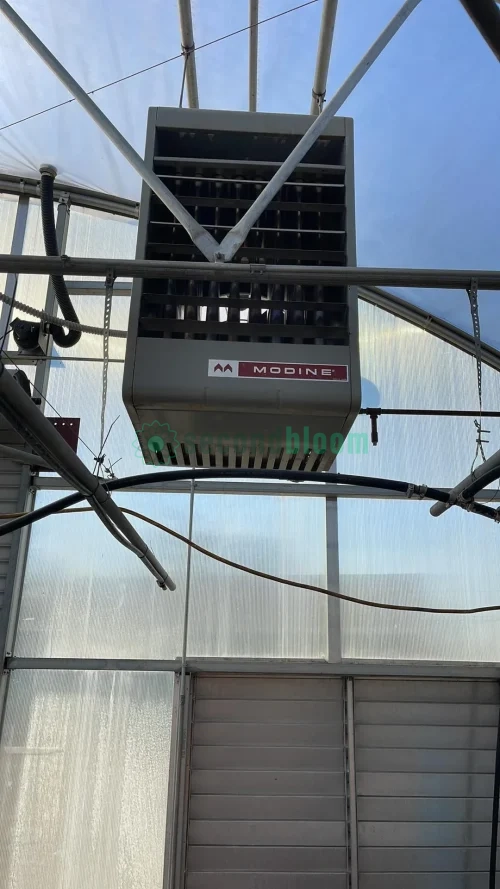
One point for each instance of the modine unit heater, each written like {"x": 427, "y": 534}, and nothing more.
{"x": 245, "y": 375}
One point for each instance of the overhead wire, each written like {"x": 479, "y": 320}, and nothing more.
{"x": 159, "y": 64}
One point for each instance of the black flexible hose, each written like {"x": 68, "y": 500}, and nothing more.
{"x": 61, "y": 337}
{"x": 486, "y": 17}
{"x": 131, "y": 481}
{"x": 494, "y": 816}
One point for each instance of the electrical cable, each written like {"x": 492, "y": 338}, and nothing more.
{"x": 180, "y": 55}
{"x": 60, "y": 337}
{"x": 283, "y": 580}
{"x": 494, "y": 816}
{"x": 131, "y": 481}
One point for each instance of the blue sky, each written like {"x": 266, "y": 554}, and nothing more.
{"x": 426, "y": 116}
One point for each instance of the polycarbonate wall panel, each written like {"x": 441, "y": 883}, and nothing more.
{"x": 83, "y": 780}
{"x": 394, "y": 551}
{"x": 31, "y": 289}
{"x": 403, "y": 366}
{"x": 86, "y": 596}
{"x": 100, "y": 601}
{"x": 95, "y": 234}
{"x": 75, "y": 390}
{"x": 234, "y": 614}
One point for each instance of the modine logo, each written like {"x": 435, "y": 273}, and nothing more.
{"x": 268, "y": 370}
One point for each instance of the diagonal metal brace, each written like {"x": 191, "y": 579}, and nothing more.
{"x": 235, "y": 238}
{"x": 203, "y": 240}
{"x": 37, "y": 431}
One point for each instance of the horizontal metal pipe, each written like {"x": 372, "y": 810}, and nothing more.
{"x": 483, "y": 469}
{"x": 266, "y": 489}
{"x": 451, "y": 279}
{"x": 323, "y": 57}
{"x": 19, "y": 456}
{"x": 395, "y": 669}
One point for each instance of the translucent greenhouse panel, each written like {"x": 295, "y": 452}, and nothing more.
{"x": 75, "y": 390}
{"x": 234, "y": 614}
{"x": 403, "y": 366}
{"x": 85, "y": 595}
{"x": 83, "y": 780}
{"x": 8, "y": 210}
{"x": 31, "y": 289}
{"x": 95, "y": 234}
{"x": 394, "y": 551}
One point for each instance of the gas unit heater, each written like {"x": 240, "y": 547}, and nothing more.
{"x": 262, "y": 375}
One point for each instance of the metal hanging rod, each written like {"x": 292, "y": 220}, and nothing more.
{"x": 325, "y": 41}
{"x": 188, "y": 47}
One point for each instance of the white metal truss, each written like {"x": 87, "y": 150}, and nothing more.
{"x": 213, "y": 251}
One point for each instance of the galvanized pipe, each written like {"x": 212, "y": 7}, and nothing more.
{"x": 451, "y": 279}
{"x": 234, "y": 239}
{"x": 323, "y": 56}
{"x": 203, "y": 240}
{"x": 483, "y": 469}
{"x": 253, "y": 55}
{"x": 19, "y": 456}
{"x": 187, "y": 45}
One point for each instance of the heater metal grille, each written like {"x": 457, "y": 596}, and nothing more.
{"x": 305, "y": 223}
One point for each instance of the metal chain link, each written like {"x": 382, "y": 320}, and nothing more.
{"x": 476, "y": 330}
{"x": 106, "y": 327}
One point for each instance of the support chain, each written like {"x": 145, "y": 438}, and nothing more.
{"x": 109, "y": 283}
{"x": 476, "y": 330}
